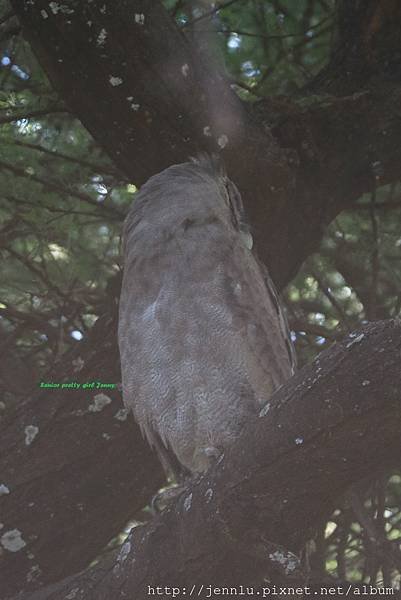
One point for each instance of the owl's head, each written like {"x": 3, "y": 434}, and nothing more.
{"x": 195, "y": 192}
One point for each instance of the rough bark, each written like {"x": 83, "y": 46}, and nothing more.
{"x": 335, "y": 421}
{"x": 297, "y": 161}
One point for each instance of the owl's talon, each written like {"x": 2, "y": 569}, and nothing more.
{"x": 165, "y": 498}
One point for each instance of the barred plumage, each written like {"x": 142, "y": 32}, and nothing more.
{"x": 203, "y": 339}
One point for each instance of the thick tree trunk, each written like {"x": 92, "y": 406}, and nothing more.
{"x": 149, "y": 99}
{"x": 335, "y": 421}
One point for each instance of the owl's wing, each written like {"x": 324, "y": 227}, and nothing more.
{"x": 282, "y": 317}
{"x": 169, "y": 460}
{"x": 260, "y": 317}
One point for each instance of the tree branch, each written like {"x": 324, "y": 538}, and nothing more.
{"x": 30, "y": 114}
{"x": 97, "y": 168}
{"x": 320, "y": 431}
{"x": 63, "y": 191}
{"x": 297, "y": 162}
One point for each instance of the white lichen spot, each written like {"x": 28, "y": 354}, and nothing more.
{"x": 366, "y": 382}
{"x": 357, "y": 339}
{"x": 31, "y": 431}
{"x": 139, "y": 18}
{"x": 4, "y": 489}
{"x": 2, "y": 406}
{"x": 209, "y": 495}
{"x": 89, "y": 23}
{"x": 134, "y": 105}
{"x": 78, "y": 413}
{"x": 188, "y": 502}
{"x": 125, "y": 550}
{"x": 30, "y": 555}
{"x": 33, "y": 573}
{"x": 54, "y": 7}
{"x": 12, "y": 540}
{"x": 289, "y": 562}
{"x": 122, "y": 414}
{"x": 207, "y": 131}
{"x": 222, "y": 140}
{"x": 185, "y": 70}
{"x": 265, "y": 410}
{"x": 299, "y": 441}
{"x": 103, "y": 9}
{"x": 115, "y": 81}
{"x": 101, "y": 38}
{"x": 78, "y": 364}
{"x": 72, "y": 594}
{"x": 1, "y": 525}
{"x": 106, "y": 436}
{"x": 44, "y": 14}
{"x": 99, "y": 402}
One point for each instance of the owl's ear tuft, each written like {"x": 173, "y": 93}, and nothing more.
{"x": 212, "y": 163}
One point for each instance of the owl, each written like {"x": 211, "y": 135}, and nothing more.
{"x": 203, "y": 340}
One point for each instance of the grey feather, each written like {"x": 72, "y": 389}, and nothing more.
{"x": 203, "y": 338}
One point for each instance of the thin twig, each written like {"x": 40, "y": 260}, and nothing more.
{"x": 33, "y": 113}
{"x": 374, "y": 260}
{"x": 52, "y": 209}
{"x": 333, "y": 301}
{"x": 56, "y": 187}
{"x": 177, "y": 7}
{"x": 8, "y": 15}
{"x": 210, "y": 13}
{"x": 35, "y": 270}
{"x": 314, "y": 329}
{"x": 57, "y": 154}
